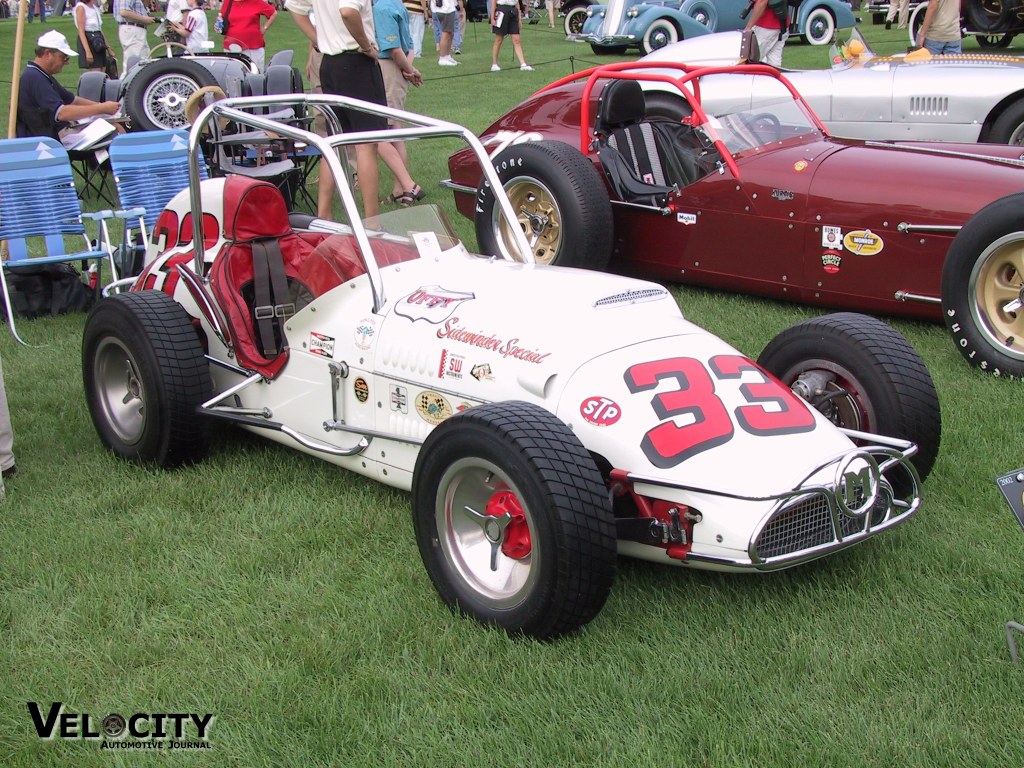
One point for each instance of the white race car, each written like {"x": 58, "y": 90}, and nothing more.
{"x": 544, "y": 418}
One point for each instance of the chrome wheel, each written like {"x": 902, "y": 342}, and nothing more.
{"x": 486, "y": 531}
{"x": 121, "y": 394}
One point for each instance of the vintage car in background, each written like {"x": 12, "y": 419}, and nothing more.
{"x": 993, "y": 23}
{"x": 969, "y": 97}
{"x": 156, "y": 90}
{"x": 651, "y": 25}
{"x": 534, "y": 449}
{"x": 758, "y": 197}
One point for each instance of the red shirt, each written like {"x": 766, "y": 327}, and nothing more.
{"x": 767, "y": 19}
{"x": 244, "y": 21}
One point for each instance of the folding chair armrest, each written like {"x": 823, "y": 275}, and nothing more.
{"x": 130, "y": 213}
{"x": 98, "y": 215}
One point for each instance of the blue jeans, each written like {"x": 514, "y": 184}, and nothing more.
{"x": 32, "y": 9}
{"x": 937, "y": 47}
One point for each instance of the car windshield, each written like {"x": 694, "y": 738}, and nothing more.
{"x": 771, "y": 118}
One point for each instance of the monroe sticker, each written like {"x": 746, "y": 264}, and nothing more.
{"x": 863, "y": 242}
{"x": 831, "y": 237}
{"x": 432, "y": 407}
{"x": 322, "y": 345}
{"x": 431, "y": 303}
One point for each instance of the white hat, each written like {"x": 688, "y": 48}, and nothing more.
{"x": 56, "y": 41}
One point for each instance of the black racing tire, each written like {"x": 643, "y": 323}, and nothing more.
{"x": 703, "y": 12}
{"x": 575, "y": 18}
{"x": 1008, "y": 128}
{"x": 994, "y": 41}
{"x": 820, "y": 26}
{"x": 990, "y": 15}
{"x": 608, "y": 50}
{"x": 876, "y": 380}
{"x": 668, "y": 105}
{"x": 145, "y": 375}
{"x": 659, "y": 33}
{"x": 560, "y": 200}
{"x": 982, "y": 278}
{"x": 550, "y": 568}
{"x": 157, "y": 95}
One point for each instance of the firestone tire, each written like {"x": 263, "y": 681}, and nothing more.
{"x": 660, "y": 33}
{"x": 560, "y": 200}
{"x": 145, "y": 375}
{"x": 157, "y": 95}
{"x": 575, "y": 19}
{"x": 513, "y": 520}
{"x": 982, "y": 285}
{"x": 876, "y": 380}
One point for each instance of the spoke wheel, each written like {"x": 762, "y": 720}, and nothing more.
{"x": 157, "y": 95}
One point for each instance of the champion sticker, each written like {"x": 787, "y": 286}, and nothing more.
{"x": 863, "y": 242}
{"x": 686, "y": 218}
{"x": 365, "y": 330}
{"x": 831, "y": 261}
{"x": 319, "y": 344}
{"x": 831, "y": 237}
{"x": 362, "y": 389}
{"x": 432, "y": 407}
{"x": 398, "y": 396}
{"x": 431, "y": 303}
{"x": 600, "y": 411}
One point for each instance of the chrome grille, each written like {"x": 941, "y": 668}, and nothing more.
{"x": 929, "y": 105}
{"x": 800, "y": 526}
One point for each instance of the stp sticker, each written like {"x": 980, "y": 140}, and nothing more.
{"x": 831, "y": 237}
{"x": 831, "y": 261}
{"x": 600, "y": 411}
{"x": 431, "y": 303}
{"x": 362, "y": 389}
{"x": 319, "y": 344}
{"x": 863, "y": 242}
{"x": 432, "y": 407}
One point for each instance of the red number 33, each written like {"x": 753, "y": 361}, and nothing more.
{"x": 669, "y": 443}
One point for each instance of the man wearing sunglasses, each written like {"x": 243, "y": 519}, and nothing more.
{"x": 45, "y": 107}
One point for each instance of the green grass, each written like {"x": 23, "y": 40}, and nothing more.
{"x": 287, "y": 597}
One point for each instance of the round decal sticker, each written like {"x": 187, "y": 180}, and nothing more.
{"x": 432, "y": 407}
{"x": 600, "y": 411}
{"x": 831, "y": 261}
{"x": 799, "y": 165}
{"x": 863, "y": 242}
{"x": 362, "y": 389}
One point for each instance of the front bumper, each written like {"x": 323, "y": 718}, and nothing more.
{"x": 605, "y": 39}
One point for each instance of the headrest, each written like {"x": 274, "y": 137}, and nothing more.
{"x": 622, "y": 103}
{"x": 253, "y": 209}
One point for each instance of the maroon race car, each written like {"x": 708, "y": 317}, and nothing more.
{"x": 621, "y": 165}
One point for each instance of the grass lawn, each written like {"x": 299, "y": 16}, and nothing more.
{"x": 286, "y": 597}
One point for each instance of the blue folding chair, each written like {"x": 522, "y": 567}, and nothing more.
{"x": 39, "y": 209}
{"x": 150, "y": 168}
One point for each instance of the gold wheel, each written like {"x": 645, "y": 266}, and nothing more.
{"x": 997, "y": 290}
{"x": 538, "y": 214}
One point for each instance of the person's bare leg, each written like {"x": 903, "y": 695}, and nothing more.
{"x": 393, "y": 160}
{"x": 498, "y": 40}
{"x": 397, "y": 189}
{"x": 517, "y": 43}
{"x": 446, "y": 45}
{"x": 325, "y": 193}
{"x": 366, "y": 167}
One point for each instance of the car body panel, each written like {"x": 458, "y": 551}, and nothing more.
{"x": 941, "y": 98}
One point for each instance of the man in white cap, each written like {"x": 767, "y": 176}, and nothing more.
{"x": 45, "y": 107}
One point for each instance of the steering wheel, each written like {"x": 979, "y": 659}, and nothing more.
{"x": 154, "y": 52}
{"x": 762, "y": 123}
{"x": 198, "y": 101}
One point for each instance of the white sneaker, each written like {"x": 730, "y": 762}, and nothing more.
{"x": 495, "y": 68}
{"x": 526, "y": 68}
{"x": 447, "y": 61}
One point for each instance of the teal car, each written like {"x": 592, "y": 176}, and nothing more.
{"x": 814, "y": 20}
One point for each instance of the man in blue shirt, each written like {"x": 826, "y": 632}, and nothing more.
{"x": 45, "y": 107}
